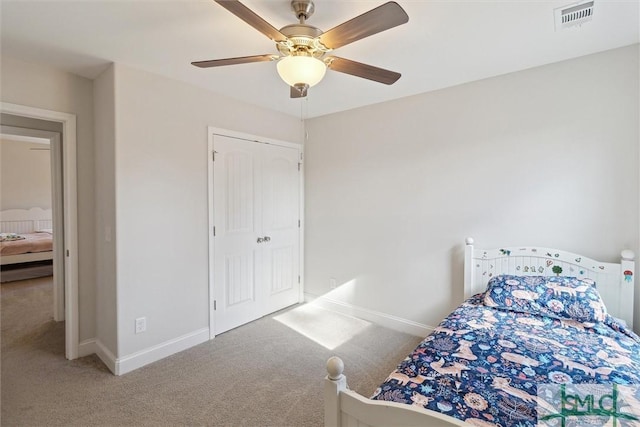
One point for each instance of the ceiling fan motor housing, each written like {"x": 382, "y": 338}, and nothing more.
{"x": 302, "y": 39}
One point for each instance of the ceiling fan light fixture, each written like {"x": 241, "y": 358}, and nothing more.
{"x": 302, "y": 47}
{"x": 301, "y": 70}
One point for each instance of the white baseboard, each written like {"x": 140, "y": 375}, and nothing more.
{"x": 377, "y": 317}
{"x": 107, "y": 357}
{"x": 152, "y": 354}
{"x": 87, "y": 347}
{"x": 120, "y": 366}
{"x": 94, "y": 346}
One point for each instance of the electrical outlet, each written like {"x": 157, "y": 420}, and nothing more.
{"x": 141, "y": 324}
{"x": 332, "y": 283}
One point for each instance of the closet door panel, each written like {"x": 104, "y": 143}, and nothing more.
{"x": 237, "y": 255}
{"x": 281, "y": 201}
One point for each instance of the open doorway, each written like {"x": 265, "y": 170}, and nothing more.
{"x": 59, "y": 130}
{"x": 31, "y": 208}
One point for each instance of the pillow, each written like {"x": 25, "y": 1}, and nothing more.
{"x": 558, "y": 297}
{"x": 10, "y": 237}
{"x": 620, "y": 321}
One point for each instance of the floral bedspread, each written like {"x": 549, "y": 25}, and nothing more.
{"x": 484, "y": 362}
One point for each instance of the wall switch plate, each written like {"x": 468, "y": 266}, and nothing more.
{"x": 141, "y": 324}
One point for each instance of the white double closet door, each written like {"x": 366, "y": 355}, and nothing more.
{"x": 256, "y": 215}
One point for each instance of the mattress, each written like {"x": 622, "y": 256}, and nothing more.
{"x": 486, "y": 362}
{"x": 41, "y": 241}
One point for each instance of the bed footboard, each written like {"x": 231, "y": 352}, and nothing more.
{"x": 344, "y": 408}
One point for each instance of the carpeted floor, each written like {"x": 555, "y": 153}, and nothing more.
{"x": 267, "y": 373}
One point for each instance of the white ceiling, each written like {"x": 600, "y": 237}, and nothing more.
{"x": 445, "y": 43}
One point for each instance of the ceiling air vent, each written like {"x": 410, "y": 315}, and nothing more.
{"x": 574, "y": 14}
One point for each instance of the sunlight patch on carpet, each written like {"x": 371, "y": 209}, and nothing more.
{"x": 327, "y": 328}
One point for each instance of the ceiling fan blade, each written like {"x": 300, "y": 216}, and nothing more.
{"x": 251, "y": 18}
{"x": 234, "y": 61}
{"x": 362, "y": 70}
{"x": 381, "y": 18}
{"x": 299, "y": 91}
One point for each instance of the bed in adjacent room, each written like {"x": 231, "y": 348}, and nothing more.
{"x": 538, "y": 325}
{"x": 26, "y": 235}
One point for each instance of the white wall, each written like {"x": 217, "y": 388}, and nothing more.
{"x": 161, "y": 200}
{"x": 546, "y": 156}
{"x": 106, "y": 287}
{"x": 25, "y": 175}
{"x": 40, "y": 86}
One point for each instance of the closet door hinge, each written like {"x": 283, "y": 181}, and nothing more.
{"x": 298, "y": 223}
{"x": 299, "y": 166}
{"x": 298, "y": 279}
{"x": 214, "y": 305}
{"x": 214, "y": 231}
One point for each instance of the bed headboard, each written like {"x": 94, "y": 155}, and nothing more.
{"x": 614, "y": 281}
{"x": 25, "y": 220}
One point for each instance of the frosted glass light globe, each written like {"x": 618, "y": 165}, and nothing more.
{"x": 301, "y": 70}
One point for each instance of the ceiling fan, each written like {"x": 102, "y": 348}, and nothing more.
{"x": 302, "y": 47}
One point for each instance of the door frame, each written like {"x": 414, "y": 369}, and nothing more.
{"x": 211, "y": 133}
{"x": 70, "y": 214}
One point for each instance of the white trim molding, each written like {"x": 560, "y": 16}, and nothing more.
{"x": 70, "y": 206}
{"x": 383, "y": 319}
{"x": 87, "y": 347}
{"x": 125, "y": 364}
{"x": 106, "y": 356}
{"x": 94, "y": 346}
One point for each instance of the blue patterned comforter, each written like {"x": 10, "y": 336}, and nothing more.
{"x": 484, "y": 362}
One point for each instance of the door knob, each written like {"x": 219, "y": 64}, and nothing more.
{"x": 260, "y": 240}
{"x": 267, "y": 238}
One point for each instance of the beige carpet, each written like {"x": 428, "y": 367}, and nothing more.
{"x": 261, "y": 374}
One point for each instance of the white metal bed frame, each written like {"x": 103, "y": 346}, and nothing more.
{"x": 25, "y": 221}
{"x": 614, "y": 281}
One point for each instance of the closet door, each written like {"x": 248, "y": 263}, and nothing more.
{"x": 256, "y": 249}
{"x": 280, "y": 226}
{"x": 237, "y": 264}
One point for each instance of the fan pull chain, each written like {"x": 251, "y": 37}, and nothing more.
{"x": 304, "y": 108}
